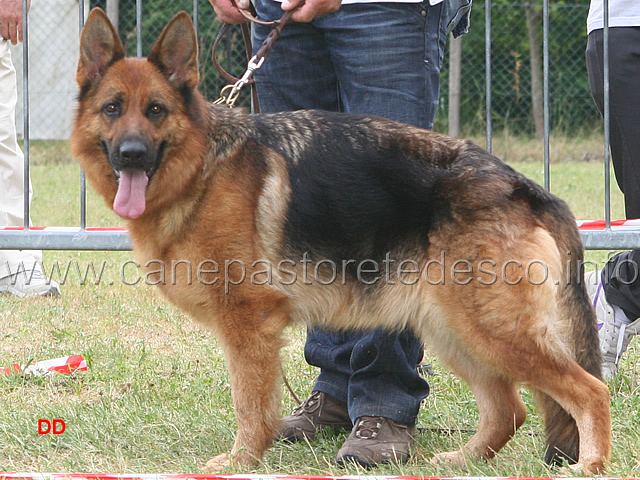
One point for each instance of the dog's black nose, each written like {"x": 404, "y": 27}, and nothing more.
{"x": 133, "y": 153}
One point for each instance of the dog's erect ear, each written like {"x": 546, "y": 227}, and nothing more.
{"x": 175, "y": 52}
{"x": 100, "y": 47}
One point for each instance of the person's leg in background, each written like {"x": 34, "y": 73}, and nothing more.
{"x": 20, "y": 270}
{"x": 387, "y": 58}
{"x": 616, "y": 295}
{"x": 337, "y": 63}
{"x": 391, "y": 68}
{"x": 298, "y": 73}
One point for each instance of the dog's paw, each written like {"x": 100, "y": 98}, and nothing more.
{"x": 217, "y": 463}
{"x": 456, "y": 458}
{"x": 589, "y": 466}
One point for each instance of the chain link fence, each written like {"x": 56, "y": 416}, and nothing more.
{"x": 53, "y": 56}
{"x": 571, "y": 106}
{"x": 53, "y": 53}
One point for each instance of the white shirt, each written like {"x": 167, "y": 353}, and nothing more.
{"x": 622, "y": 13}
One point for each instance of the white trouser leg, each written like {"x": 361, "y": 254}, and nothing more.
{"x": 11, "y": 167}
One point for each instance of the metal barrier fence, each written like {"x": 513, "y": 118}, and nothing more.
{"x": 607, "y": 235}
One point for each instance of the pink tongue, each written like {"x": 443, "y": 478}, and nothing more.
{"x": 130, "y": 201}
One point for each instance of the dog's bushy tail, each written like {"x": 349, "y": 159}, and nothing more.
{"x": 574, "y": 305}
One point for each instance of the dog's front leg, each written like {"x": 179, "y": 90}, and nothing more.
{"x": 252, "y": 338}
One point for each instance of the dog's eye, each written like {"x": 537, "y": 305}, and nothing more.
{"x": 156, "y": 110}
{"x": 111, "y": 109}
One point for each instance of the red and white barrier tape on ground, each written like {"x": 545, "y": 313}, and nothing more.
{"x": 95, "y": 476}
{"x": 46, "y": 367}
{"x": 582, "y": 225}
{"x": 64, "y": 229}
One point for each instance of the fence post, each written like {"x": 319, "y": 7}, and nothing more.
{"x": 487, "y": 59}
{"x": 455, "y": 72}
{"x": 113, "y": 12}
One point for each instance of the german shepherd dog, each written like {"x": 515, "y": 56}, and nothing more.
{"x": 346, "y": 222}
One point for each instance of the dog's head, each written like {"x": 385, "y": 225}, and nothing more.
{"x": 135, "y": 112}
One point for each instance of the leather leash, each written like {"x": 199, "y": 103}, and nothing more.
{"x": 229, "y": 93}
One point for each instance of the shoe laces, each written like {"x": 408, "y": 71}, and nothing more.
{"x": 614, "y": 322}
{"x": 620, "y": 346}
{"x": 368, "y": 427}
{"x": 617, "y": 333}
{"x": 628, "y": 328}
{"x": 595, "y": 301}
{"x": 310, "y": 405}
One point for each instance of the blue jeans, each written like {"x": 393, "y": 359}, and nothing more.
{"x": 373, "y": 58}
{"x": 373, "y": 372}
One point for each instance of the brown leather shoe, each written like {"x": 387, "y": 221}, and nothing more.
{"x": 375, "y": 440}
{"x": 316, "y": 412}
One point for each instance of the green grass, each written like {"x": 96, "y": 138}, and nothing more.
{"x": 156, "y": 397}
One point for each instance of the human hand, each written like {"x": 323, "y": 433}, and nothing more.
{"x": 11, "y": 27}
{"x": 227, "y": 11}
{"x": 310, "y": 9}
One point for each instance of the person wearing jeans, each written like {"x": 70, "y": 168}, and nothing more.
{"x": 380, "y": 58}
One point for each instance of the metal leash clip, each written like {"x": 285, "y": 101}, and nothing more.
{"x": 234, "y": 90}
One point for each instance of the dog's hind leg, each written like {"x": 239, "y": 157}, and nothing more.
{"x": 252, "y": 340}
{"x": 501, "y": 414}
{"x": 575, "y": 400}
{"x": 501, "y": 410}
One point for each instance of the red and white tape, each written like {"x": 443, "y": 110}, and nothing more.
{"x": 582, "y": 225}
{"x": 64, "y": 229}
{"x": 96, "y": 476}
{"x": 67, "y": 364}
{"x": 615, "y": 224}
